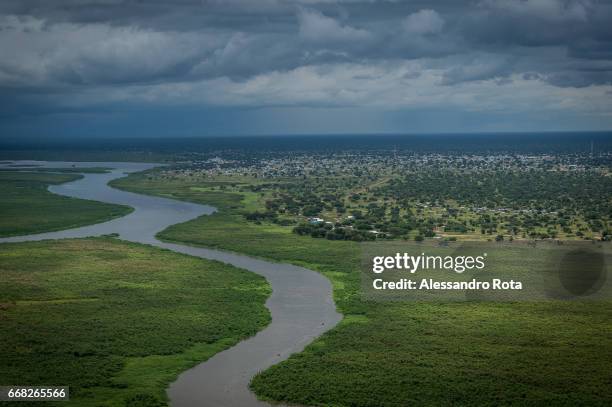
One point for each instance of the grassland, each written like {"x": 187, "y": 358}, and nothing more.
{"x": 28, "y": 207}
{"x": 397, "y": 354}
{"x": 117, "y": 321}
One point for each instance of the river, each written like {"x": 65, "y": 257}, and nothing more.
{"x": 301, "y": 302}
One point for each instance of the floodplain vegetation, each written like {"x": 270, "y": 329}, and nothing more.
{"x": 117, "y": 321}
{"x": 395, "y": 353}
{"x": 28, "y": 207}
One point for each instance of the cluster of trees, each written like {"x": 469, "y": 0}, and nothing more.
{"x": 257, "y": 216}
{"x": 545, "y": 199}
{"x": 310, "y": 196}
{"x": 331, "y": 232}
{"x": 584, "y": 192}
{"x": 358, "y": 224}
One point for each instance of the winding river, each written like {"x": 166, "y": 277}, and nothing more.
{"x": 301, "y": 303}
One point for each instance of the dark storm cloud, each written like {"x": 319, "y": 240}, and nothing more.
{"x": 243, "y": 38}
{"x": 75, "y": 48}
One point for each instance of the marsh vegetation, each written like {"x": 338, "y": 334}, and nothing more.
{"x": 28, "y": 207}
{"x": 118, "y": 321}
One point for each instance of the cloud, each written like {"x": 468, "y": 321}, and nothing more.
{"x": 531, "y": 23}
{"x": 405, "y": 85}
{"x": 478, "y": 68}
{"x": 50, "y": 54}
{"x": 552, "y": 10}
{"x": 316, "y": 27}
{"x": 72, "y": 54}
{"x": 424, "y": 22}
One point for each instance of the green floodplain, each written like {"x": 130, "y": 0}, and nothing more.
{"x": 117, "y": 321}
{"x": 397, "y": 354}
{"x": 28, "y": 207}
{"x": 60, "y": 302}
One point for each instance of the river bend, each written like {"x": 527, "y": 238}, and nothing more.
{"x": 301, "y": 302}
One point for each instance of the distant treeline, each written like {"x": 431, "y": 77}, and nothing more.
{"x": 563, "y": 142}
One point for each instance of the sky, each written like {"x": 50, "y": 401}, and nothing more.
{"x": 112, "y": 68}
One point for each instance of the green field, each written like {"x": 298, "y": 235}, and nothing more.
{"x": 28, "y": 207}
{"x": 397, "y": 354}
{"x": 117, "y": 321}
